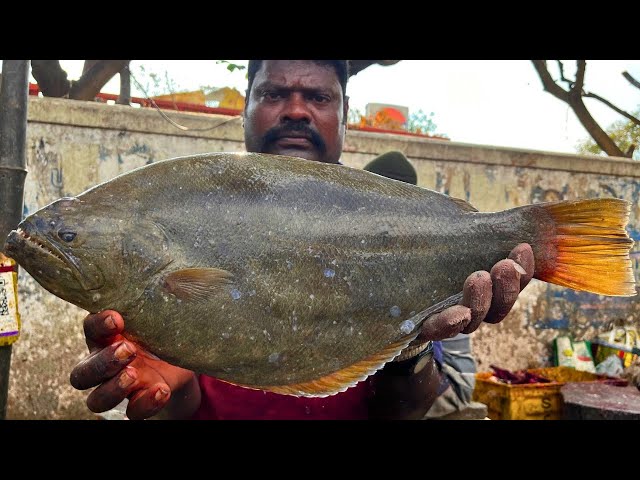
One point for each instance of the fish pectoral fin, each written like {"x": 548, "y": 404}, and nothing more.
{"x": 190, "y": 283}
{"x": 343, "y": 379}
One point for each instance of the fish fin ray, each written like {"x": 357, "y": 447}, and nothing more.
{"x": 343, "y": 379}
{"x": 464, "y": 205}
{"x": 592, "y": 247}
{"x": 419, "y": 317}
{"x": 199, "y": 283}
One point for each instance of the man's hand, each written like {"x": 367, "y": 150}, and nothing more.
{"x": 485, "y": 297}
{"x": 121, "y": 369}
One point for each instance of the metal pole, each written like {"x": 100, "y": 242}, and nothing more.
{"x": 14, "y": 95}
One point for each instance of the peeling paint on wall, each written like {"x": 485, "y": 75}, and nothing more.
{"x": 74, "y": 145}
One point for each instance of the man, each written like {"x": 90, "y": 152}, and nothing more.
{"x": 299, "y": 108}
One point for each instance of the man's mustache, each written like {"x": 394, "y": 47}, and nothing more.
{"x": 293, "y": 129}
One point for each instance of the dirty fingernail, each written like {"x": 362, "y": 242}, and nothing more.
{"x": 123, "y": 351}
{"x": 126, "y": 378}
{"x": 519, "y": 268}
{"x": 161, "y": 394}
{"x": 110, "y": 323}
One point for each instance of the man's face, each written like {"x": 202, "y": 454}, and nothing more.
{"x": 296, "y": 108}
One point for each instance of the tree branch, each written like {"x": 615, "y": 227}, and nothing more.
{"x": 601, "y": 137}
{"x": 562, "y": 77}
{"x": 574, "y": 99}
{"x": 547, "y": 82}
{"x": 96, "y": 77}
{"x": 629, "y": 152}
{"x": 51, "y": 78}
{"x": 124, "y": 98}
{"x": 88, "y": 65}
{"x": 581, "y": 68}
{"x": 613, "y": 107}
{"x": 632, "y": 80}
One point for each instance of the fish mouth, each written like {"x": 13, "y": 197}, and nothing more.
{"x": 35, "y": 243}
{"x": 39, "y": 245}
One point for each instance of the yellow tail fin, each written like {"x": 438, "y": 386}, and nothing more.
{"x": 592, "y": 247}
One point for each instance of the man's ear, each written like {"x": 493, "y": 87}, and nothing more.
{"x": 345, "y": 110}
{"x": 244, "y": 110}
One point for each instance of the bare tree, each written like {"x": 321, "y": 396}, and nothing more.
{"x": 53, "y": 81}
{"x": 574, "y": 96}
{"x": 51, "y": 78}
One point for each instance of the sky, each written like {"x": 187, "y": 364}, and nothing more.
{"x": 486, "y": 102}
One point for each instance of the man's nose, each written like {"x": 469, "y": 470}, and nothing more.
{"x": 296, "y": 108}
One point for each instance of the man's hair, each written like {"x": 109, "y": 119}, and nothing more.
{"x": 341, "y": 68}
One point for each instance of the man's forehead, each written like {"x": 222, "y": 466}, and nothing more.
{"x": 299, "y": 73}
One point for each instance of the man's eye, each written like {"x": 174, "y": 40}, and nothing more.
{"x": 321, "y": 98}
{"x": 67, "y": 236}
{"x": 272, "y": 95}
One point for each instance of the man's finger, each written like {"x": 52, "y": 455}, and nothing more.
{"x": 505, "y": 277}
{"x": 102, "y": 365}
{"x": 445, "y": 324}
{"x": 476, "y": 294}
{"x": 101, "y": 328}
{"x": 113, "y": 391}
{"x": 148, "y": 402}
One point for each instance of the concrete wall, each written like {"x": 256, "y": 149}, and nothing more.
{"x": 74, "y": 145}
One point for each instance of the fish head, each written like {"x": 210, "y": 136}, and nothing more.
{"x": 81, "y": 253}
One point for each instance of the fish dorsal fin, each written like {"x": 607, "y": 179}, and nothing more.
{"x": 200, "y": 283}
{"x": 466, "y": 206}
{"x": 343, "y": 379}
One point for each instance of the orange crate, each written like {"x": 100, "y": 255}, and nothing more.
{"x": 531, "y": 401}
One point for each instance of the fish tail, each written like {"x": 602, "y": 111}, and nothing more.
{"x": 590, "y": 247}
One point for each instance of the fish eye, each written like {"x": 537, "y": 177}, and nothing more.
{"x": 67, "y": 235}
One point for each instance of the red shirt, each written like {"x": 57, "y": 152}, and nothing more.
{"x": 225, "y": 401}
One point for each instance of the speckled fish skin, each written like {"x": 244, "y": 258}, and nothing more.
{"x": 325, "y": 263}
